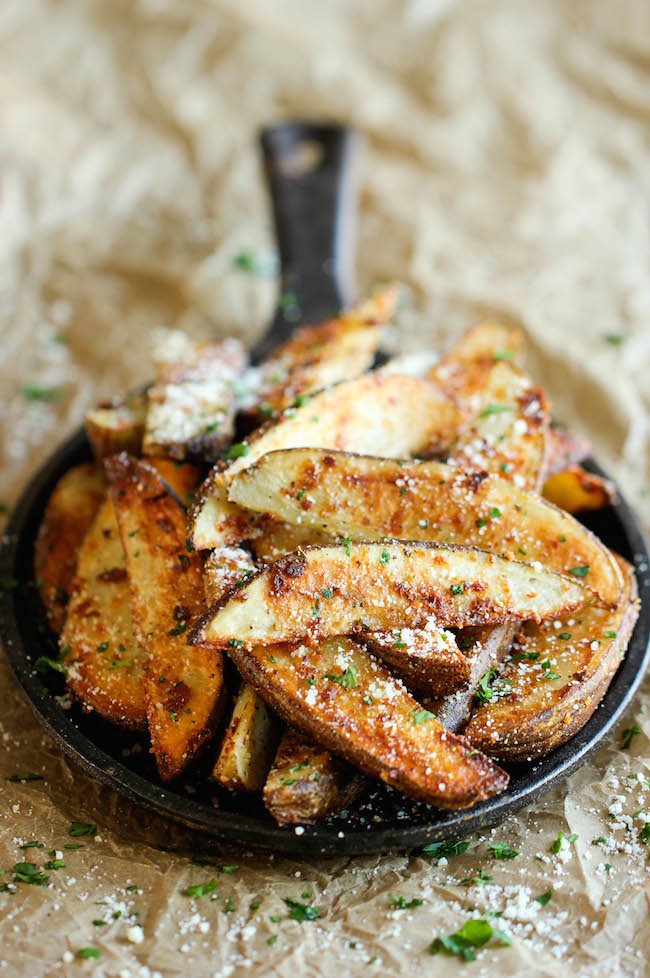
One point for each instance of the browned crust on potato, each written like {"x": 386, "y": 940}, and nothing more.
{"x": 248, "y": 745}
{"x": 104, "y": 661}
{"x": 184, "y": 685}
{"x": 427, "y": 665}
{"x": 68, "y": 515}
{"x": 117, "y": 425}
{"x": 307, "y": 783}
{"x": 523, "y": 725}
{"x": 371, "y": 721}
{"x": 352, "y": 588}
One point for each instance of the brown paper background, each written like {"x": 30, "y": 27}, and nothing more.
{"x": 507, "y": 172}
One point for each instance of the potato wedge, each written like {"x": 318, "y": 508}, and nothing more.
{"x": 465, "y": 370}
{"x": 509, "y": 430}
{"x": 348, "y": 702}
{"x": 484, "y": 648}
{"x": 105, "y": 663}
{"x": 319, "y": 356}
{"x": 184, "y": 685}
{"x": 68, "y": 515}
{"x": 391, "y": 415}
{"x": 575, "y": 490}
{"x": 554, "y": 680}
{"x": 307, "y": 783}
{"x": 375, "y": 587}
{"x": 426, "y": 659}
{"x": 225, "y": 568}
{"x": 249, "y": 745}
{"x": 117, "y": 425}
{"x": 182, "y": 477}
{"x": 364, "y": 498}
{"x": 191, "y": 408}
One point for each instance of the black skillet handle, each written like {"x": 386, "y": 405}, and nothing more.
{"x": 311, "y": 174}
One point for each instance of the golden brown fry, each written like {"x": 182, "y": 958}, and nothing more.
{"x": 250, "y": 741}
{"x": 319, "y": 356}
{"x": 565, "y": 450}
{"x": 554, "y": 679}
{"x": 117, "y": 425}
{"x": 281, "y": 538}
{"x": 383, "y": 415}
{"x": 184, "y": 685}
{"x": 306, "y": 783}
{"x": 427, "y": 660}
{"x": 364, "y": 498}
{"x": 191, "y": 408}
{"x": 105, "y": 663}
{"x": 69, "y": 512}
{"x": 575, "y": 490}
{"x": 369, "y": 587}
{"x": 348, "y": 702}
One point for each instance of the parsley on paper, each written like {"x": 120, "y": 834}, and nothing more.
{"x": 501, "y": 851}
{"x": 447, "y": 848}
{"x": 81, "y": 828}
{"x": 545, "y": 898}
{"x": 400, "y": 903}
{"x": 201, "y": 889}
{"x": 27, "y": 776}
{"x": 628, "y": 736}
{"x": 301, "y": 911}
{"x": 472, "y": 935}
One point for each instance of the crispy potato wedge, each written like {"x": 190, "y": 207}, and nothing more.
{"x": 364, "y": 498}
{"x": 225, "y": 568}
{"x": 565, "y": 450}
{"x": 393, "y": 415}
{"x": 375, "y": 587}
{"x": 68, "y": 515}
{"x": 184, "y": 685}
{"x": 307, "y": 783}
{"x": 575, "y": 490}
{"x": 464, "y": 371}
{"x": 509, "y": 430}
{"x": 426, "y": 659}
{"x": 105, "y": 663}
{"x": 554, "y": 679}
{"x": 247, "y": 750}
{"x": 117, "y": 425}
{"x": 348, "y": 702}
{"x": 183, "y": 477}
{"x": 319, "y": 356}
{"x": 249, "y": 745}
{"x": 484, "y": 648}
{"x": 191, "y": 408}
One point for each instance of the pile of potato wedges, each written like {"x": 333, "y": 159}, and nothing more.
{"x": 388, "y": 556}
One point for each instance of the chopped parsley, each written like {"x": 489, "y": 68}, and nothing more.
{"x": 28, "y": 873}
{"x": 236, "y": 643}
{"x": 43, "y": 663}
{"x": 481, "y": 879}
{"x": 548, "y": 670}
{"x": 238, "y": 450}
{"x": 483, "y": 691}
{"x": 400, "y": 903}
{"x": 327, "y": 593}
{"x": 81, "y": 828}
{"x": 505, "y": 354}
{"x": 494, "y": 513}
{"x": 419, "y": 717}
{"x": 201, "y": 889}
{"x": 348, "y": 679}
{"x": 300, "y": 495}
{"x": 472, "y": 935}
{"x": 446, "y": 848}
{"x": 545, "y": 898}
{"x": 501, "y": 851}
{"x": 27, "y": 776}
{"x": 457, "y": 588}
{"x": 615, "y": 339}
{"x": 581, "y": 571}
{"x": 32, "y": 392}
{"x": 565, "y": 636}
{"x": 346, "y": 543}
{"x": 301, "y": 911}
{"x": 178, "y": 629}
{"x": 628, "y": 736}
{"x": 89, "y": 952}
{"x": 385, "y": 557}
{"x": 495, "y": 409}
{"x": 526, "y": 656}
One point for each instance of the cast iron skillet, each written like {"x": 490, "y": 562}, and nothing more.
{"x": 308, "y": 168}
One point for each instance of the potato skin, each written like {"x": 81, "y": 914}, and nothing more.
{"x": 69, "y": 513}
{"x": 308, "y": 784}
{"x": 537, "y": 715}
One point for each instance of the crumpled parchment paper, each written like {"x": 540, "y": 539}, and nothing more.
{"x": 507, "y": 172}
